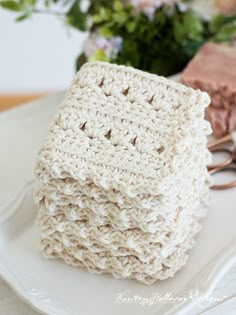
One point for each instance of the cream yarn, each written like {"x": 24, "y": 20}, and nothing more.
{"x": 122, "y": 174}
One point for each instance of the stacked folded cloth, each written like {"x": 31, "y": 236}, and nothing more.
{"x": 122, "y": 174}
{"x": 213, "y": 70}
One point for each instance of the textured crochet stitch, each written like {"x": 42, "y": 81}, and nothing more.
{"x": 122, "y": 173}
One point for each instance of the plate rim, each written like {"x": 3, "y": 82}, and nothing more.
{"x": 204, "y": 282}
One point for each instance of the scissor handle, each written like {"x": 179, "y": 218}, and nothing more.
{"x": 224, "y": 186}
{"x": 219, "y": 142}
{"x": 221, "y": 166}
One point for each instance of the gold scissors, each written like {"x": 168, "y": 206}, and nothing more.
{"x": 228, "y": 164}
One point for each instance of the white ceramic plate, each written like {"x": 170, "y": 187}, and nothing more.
{"x": 55, "y": 288}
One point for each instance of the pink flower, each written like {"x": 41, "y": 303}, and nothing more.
{"x": 110, "y": 46}
{"x": 226, "y": 6}
{"x": 149, "y": 6}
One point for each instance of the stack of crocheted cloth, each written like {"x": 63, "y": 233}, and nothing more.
{"x": 122, "y": 174}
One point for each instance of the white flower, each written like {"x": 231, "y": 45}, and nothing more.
{"x": 84, "y": 6}
{"x": 111, "y": 46}
{"x": 149, "y": 6}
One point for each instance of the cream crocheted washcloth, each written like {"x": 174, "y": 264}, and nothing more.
{"x": 122, "y": 173}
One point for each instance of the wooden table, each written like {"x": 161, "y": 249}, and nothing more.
{"x": 11, "y": 100}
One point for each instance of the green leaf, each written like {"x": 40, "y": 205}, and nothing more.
{"x": 121, "y": 17}
{"x": 130, "y": 52}
{"x": 22, "y": 17}
{"x": 226, "y": 33}
{"x": 31, "y": 2}
{"x": 193, "y": 25}
{"x": 106, "y": 32}
{"x": 76, "y": 18}
{"x": 80, "y": 61}
{"x": 97, "y": 19}
{"x": 10, "y": 5}
{"x": 105, "y": 13}
{"x": 118, "y": 5}
{"x": 218, "y": 21}
{"x": 99, "y": 55}
{"x": 102, "y": 16}
{"x": 27, "y": 6}
{"x": 191, "y": 47}
{"x": 179, "y": 31}
{"x": 130, "y": 26}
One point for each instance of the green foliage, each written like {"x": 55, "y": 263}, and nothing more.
{"x": 220, "y": 21}
{"x": 11, "y": 5}
{"x": 164, "y": 44}
{"x": 151, "y": 44}
{"x": 225, "y": 33}
{"x": 75, "y": 17}
{"x": 160, "y": 45}
{"x": 80, "y": 61}
{"x": 187, "y": 26}
{"x": 24, "y": 7}
{"x": 99, "y": 55}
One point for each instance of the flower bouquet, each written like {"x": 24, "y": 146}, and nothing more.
{"x": 158, "y": 36}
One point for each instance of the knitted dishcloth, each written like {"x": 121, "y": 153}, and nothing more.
{"x": 146, "y": 246}
{"x": 154, "y": 216}
{"x": 128, "y": 266}
{"x": 122, "y": 129}
{"x": 123, "y": 177}
{"x": 68, "y": 190}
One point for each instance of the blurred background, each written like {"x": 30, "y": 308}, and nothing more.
{"x": 38, "y": 55}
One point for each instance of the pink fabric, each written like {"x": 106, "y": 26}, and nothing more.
{"x": 232, "y": 120}
{"x": 214, "y": 66}
{"x": 226, "y": 6}
{"x": 213, "y": 70}
{"x": 218, "y": 119}
{"x": 223, "y": 121}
